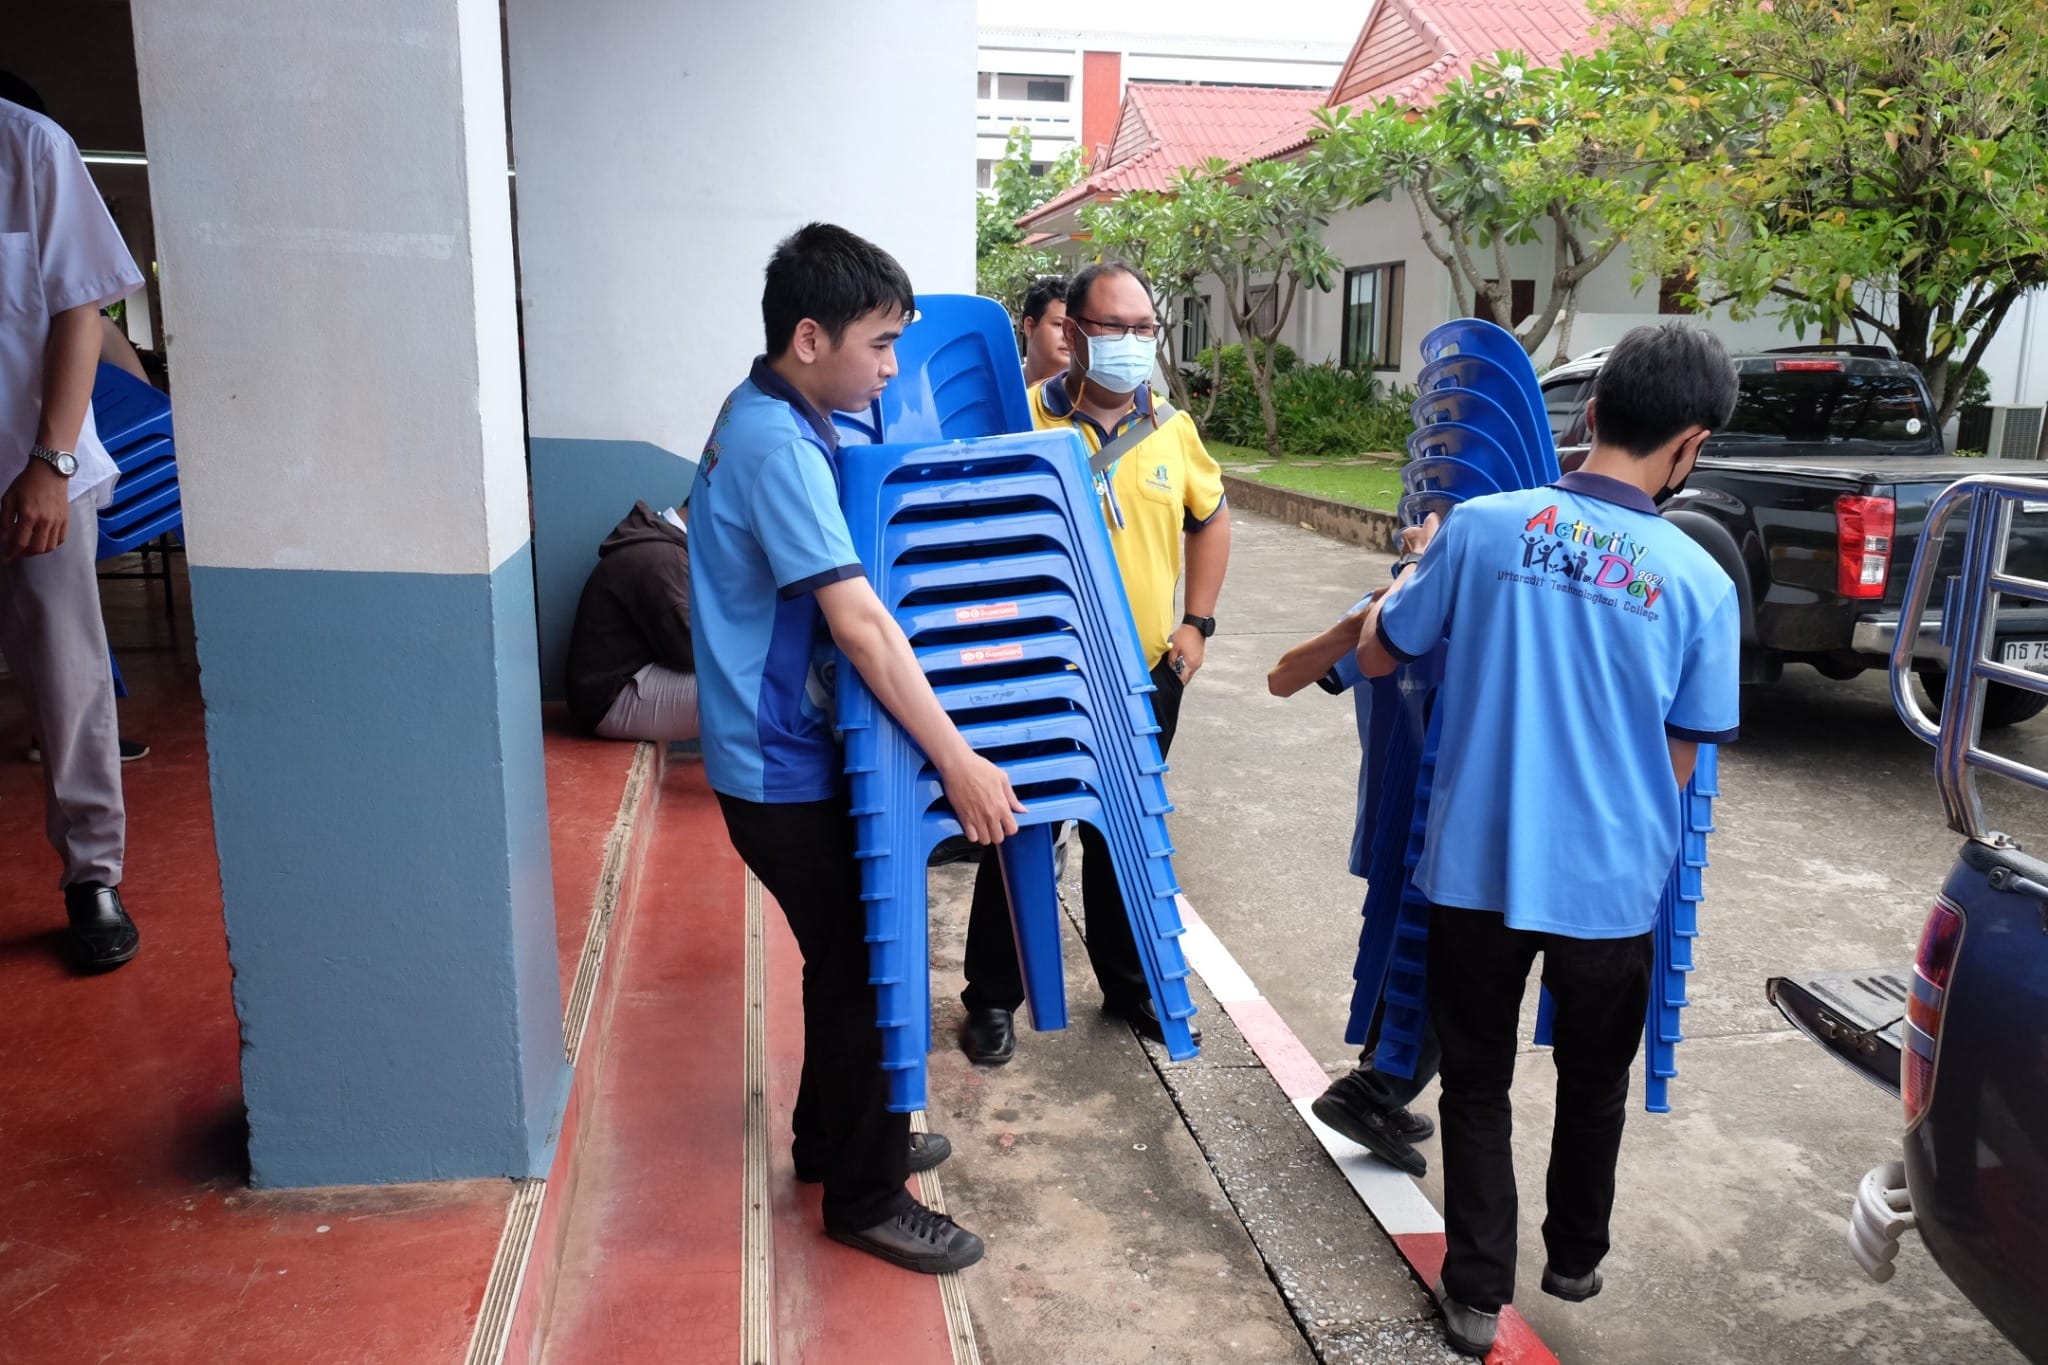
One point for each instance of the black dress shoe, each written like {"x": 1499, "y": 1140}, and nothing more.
{"x": 989, "y": 1037}
{"x": 1143, "y": 1016}
{"x": 926, "y": 1151}
{"x": 1372, "y": 1129}
{"x": 102, "y": 935}
{"x": 916, "y": 1239}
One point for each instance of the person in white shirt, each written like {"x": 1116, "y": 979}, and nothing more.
{"x": 61, "y": 261}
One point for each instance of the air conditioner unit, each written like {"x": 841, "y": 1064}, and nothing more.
{"x": 2015, "y": 431}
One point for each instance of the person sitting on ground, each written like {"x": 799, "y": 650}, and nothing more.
{"x": 632, "y": 673}
{"x": 1366, "y": 1105}
{"x": 1045, "y": 335}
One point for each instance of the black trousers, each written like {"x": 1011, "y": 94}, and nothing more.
{"x": 1389, "y": 1091}
{"x": 803, "y": 854}
{"x": 994, "y": 979}
{"x": 1478, "y": 969}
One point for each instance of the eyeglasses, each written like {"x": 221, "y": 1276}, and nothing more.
{"x": 1144, "y": 331}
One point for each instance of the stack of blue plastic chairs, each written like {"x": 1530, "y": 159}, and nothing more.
{"x": 993, "y": 556}
{"x": 1480, "y": 429}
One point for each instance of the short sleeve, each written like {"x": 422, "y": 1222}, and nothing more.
{"x": 1344, "y": 675}
{"x": 1204, "y": 483}
{"x": 83, "y": 259}
{"x": 1708, "y": 706}
{"x": 793, "y": 511}
{"x": 1416, "y": 617}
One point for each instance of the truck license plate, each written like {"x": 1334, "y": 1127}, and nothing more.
{"x": 2027, "y": 654}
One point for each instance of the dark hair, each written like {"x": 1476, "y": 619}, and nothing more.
{"x": 1659, "y": 381}
{"x": 1084, "y": 281}
{"x": 19, "y": 91}
{"x": 1045, "y": 292}
{"x": 832, "y": 277}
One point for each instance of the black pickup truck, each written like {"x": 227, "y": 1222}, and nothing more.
{"x": 1813, "y": 501}
{"x": 1961, "y": 1035}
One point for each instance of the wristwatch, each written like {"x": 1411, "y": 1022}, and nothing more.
{"x": 1406, "y": 562}
{"x": 1205, "y": 624}
{"x": 63, "y": 461}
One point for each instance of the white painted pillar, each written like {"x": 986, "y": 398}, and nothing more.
{"x": 332, "y": 216}
{"x": 663, "y": 149}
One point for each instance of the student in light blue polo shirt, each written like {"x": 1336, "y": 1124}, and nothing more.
{"x": 1592, "y": 648}
{"x": 776, "y": 594}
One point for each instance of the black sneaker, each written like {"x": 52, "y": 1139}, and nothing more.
{"x": 917, "y": 1239}
{"x": 926, "y": 1151}
{"x": 102, "y": 935}
{"x": 1372, "y": 1129}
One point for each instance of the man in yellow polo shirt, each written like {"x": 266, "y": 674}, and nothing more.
{"x": 1163, "y": 493}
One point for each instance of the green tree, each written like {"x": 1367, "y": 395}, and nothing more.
{"x": 1259, "y": 228}
{"x": 1004, "y": 267}
{"x": 1511, "y": 156}
{"x": 1153, "y": 232}
{"x": 1878, "y": 167}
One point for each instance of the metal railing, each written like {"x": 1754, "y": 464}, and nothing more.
{"x": 1970, "y": 624}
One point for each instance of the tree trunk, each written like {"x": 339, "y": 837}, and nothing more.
{"x": 1565, "y": 317}
{"x": 1263, "y": 381}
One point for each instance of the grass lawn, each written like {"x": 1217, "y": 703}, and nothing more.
{"x": 1376, "y": 485}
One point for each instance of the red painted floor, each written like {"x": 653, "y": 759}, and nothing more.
{"x": 652, "y": 1270}
{"x": 127, "y": 1230}
{"x": 829, "y": 1299}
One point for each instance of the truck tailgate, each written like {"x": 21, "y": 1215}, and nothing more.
{"x": 1857, "y": 1016}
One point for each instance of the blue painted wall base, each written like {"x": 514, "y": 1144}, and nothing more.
{"x": 581, "y": 489}
{"x": 380, "y": 807}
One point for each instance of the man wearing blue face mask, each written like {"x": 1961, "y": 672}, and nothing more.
{"x": 1162, "y": 495}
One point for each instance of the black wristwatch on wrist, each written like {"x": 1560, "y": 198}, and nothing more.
{"x": 1204, "y": 624}
{"x": 1407, "y": 561}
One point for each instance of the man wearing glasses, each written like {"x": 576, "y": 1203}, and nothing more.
{"x": 1162, "y": 495}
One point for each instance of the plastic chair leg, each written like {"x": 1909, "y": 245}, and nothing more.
{"x": 1030, "y": 879}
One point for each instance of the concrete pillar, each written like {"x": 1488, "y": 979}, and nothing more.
{"x": 333, "y": 225}
{"x": 663, "y": 149}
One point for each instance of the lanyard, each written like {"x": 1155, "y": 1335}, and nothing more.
{"x": 1105, "y": 478}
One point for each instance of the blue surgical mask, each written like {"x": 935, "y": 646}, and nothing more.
{"x": 1121, "y": 363}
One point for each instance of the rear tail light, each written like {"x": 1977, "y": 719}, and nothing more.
{"x": 1863, "y": 545}
{"x": 1810, "y": 366}
{"x": 1933, "y": 968}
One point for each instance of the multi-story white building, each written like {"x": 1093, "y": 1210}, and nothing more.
{"x": 1064, "y": 85}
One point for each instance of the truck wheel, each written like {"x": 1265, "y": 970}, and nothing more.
{"x": 2003, "y": 705}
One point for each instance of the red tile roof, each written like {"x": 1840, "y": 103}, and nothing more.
{"x": 1164, "y": 128}
{"x": 1410, "y": 50}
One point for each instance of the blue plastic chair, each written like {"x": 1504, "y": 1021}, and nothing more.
{"x": 1447, "y": 474}
{"x": 958, "y": 376}
{"x": 1473, "y": 409}
{"x": 1474, "y": 337}
{"x": 134, "y": 424}
{"x": 993, "y": 556}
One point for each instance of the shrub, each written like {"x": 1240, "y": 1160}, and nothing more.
{"x": 1321, "y": 409}
{"x": 1236, "y": 417}
{"x": 1324, "y": 410}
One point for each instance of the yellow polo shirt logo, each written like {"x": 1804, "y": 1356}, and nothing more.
{"x": 1162, "y": 483}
